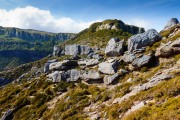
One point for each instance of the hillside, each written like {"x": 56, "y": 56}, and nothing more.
{"x": 103, "y": 31}
{"x": 131, "y": 79}
{"x": 15, "y": 42}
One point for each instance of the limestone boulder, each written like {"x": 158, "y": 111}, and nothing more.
{"x": 109, "y": 67}
{"x": 76, "y": 49}
{"x": 115, "y": 47}
{"x": 142, "y": 40}
{"x": 142, "y": 61}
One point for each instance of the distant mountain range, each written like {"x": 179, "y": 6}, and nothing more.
{"x": 15, "y": 43}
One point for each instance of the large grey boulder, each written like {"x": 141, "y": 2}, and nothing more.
{"x": 109, "y": 67}
{"x": 69, "y": 76}
{"x": 128, "y": 57}
{"x": 142, "y": 40}
{"x": 73, "y": 75}
{"x": 91, "y": 75}
{"x": 76, "y": 49}
{"x": 115, "y": 47}
{"x": 57, "y": 51}
{"x": 110, "y": 79}
{"x": 142, "y": 61}
{"x": 168, "y": 49}
{"x": 171, "y": 23}
{"x": 62, "y": 65}
{"x": 72, "y": 49}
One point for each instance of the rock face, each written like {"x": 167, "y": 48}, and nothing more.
{"x": 115, "y": 47}
{"x": 76, "y": 49}
{"x": 171, "y": 23}
{"x": 110, "y": 79}
{"x": 142, "y": 61}
{"x": 109, "y": 67}
{"x": 168, "y": 49}
{"x": 142, "y": 40}
{"x": 57, "y": 51}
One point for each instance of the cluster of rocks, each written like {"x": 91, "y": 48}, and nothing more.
{"x": 74, "y": 70}
{"x": 95, "y": 67}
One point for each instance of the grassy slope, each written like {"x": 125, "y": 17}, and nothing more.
{"x": 32, "y": 97}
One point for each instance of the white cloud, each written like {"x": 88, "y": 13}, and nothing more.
{"x": 139, "y": 22}
{"x": 33, "y": 18}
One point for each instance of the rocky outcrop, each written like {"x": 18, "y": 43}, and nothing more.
{"x": 168, "y": 49}
{"x": 57, "y": 51}
{"x": 142, "y": 40}
{"x": 115, "y": 47}
{"x": 142, "y": 61}
{"x": 171, "y": 23}
{"x": 109, "y": 67}
{"x": 76, "y": 49}
{"x": 116, "y": 25}
{"x": 110, "y": 79}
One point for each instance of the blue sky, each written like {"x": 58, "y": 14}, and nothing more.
{"x": 81, "y": 13}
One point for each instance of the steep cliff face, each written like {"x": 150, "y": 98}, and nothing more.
{"x": 33, "y": 35}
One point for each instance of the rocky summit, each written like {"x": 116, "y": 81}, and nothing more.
{"x": 109, "y": 71}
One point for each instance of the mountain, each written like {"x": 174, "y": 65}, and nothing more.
{"x": 131, "y": 76}
{"x": 15, "y": 43}
{"x": 103, "y": 31}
